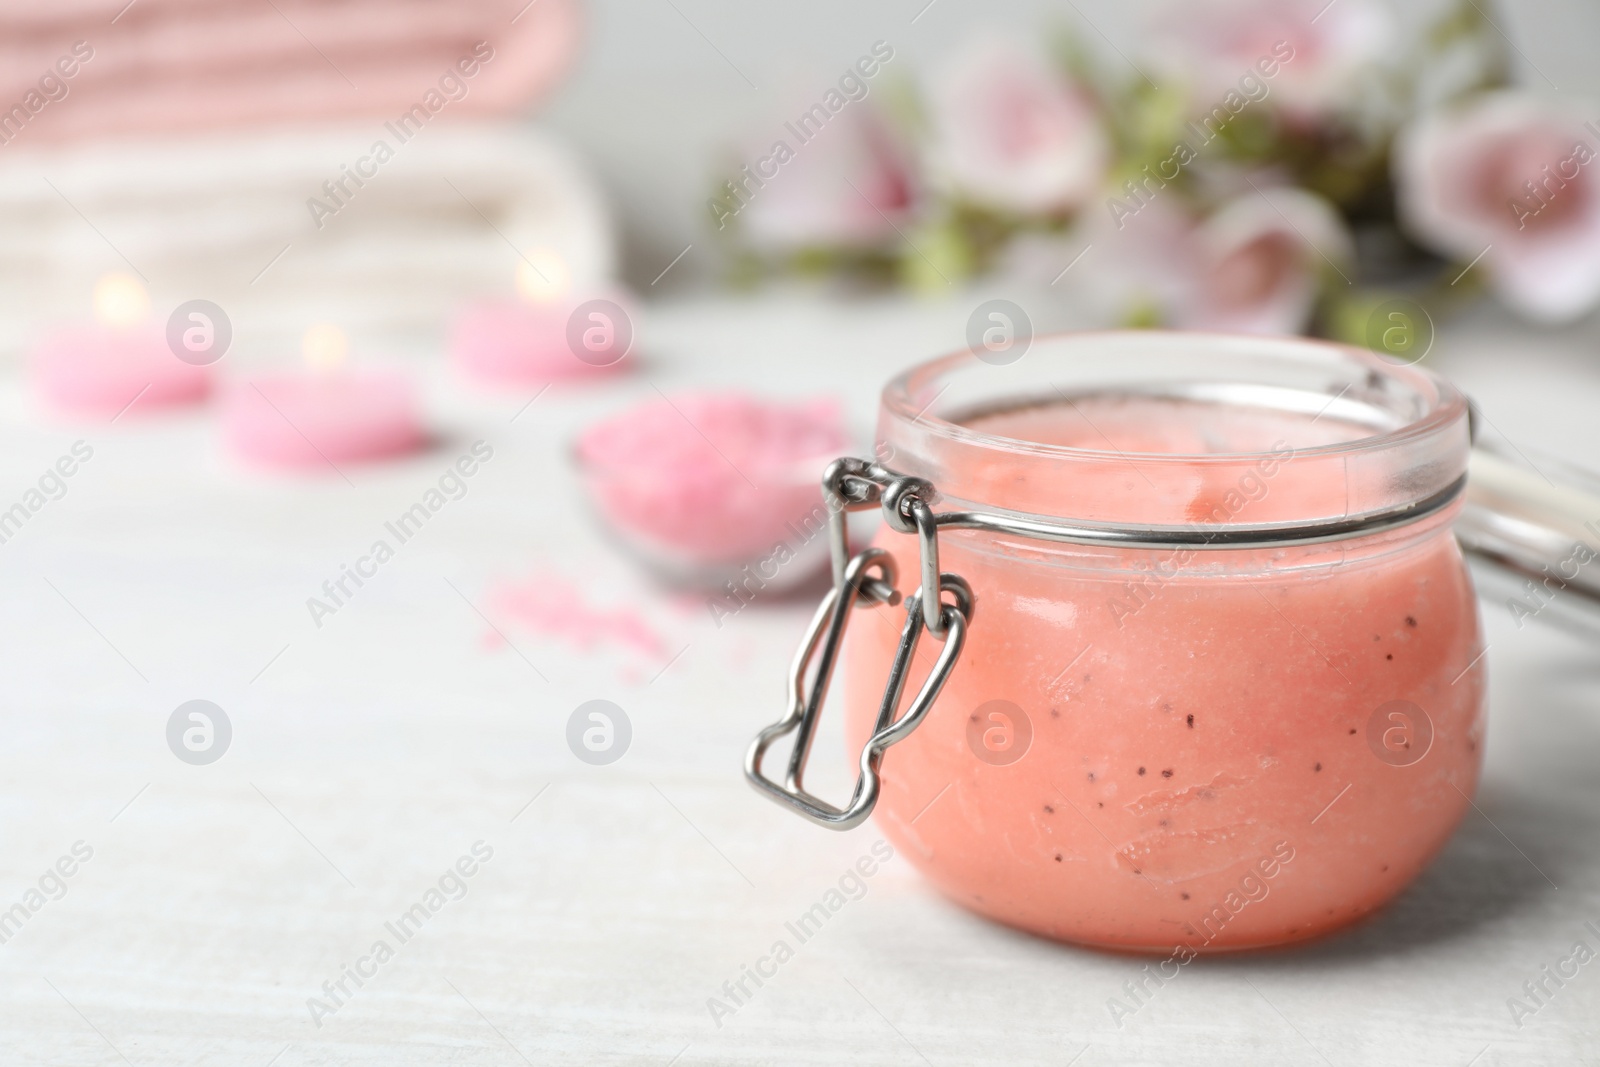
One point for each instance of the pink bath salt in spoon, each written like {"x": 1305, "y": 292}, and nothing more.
{"x": 711, "y": 481}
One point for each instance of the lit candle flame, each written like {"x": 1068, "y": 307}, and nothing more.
{"x": 324, "y": 347}
{"x": 543, "y": 276}
{"x": 120, "y": 301}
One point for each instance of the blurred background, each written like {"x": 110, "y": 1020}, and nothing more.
{"x": 612, "y": 132}
{"x": 651, "y": 102}
{"x": 388, "y": 387}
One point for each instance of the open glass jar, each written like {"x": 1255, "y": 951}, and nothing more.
{"x": 1205, "y": 671}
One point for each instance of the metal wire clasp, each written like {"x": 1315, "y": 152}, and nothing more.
{"x": 865, "y": 579}
{"x": 851, "y": 484}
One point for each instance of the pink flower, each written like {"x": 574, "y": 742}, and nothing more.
{"x": 1254, "y": 266}
{"x": 1009, "y": 133}
{"x": 1304, "y": 58}
{"x": 1514, "y": 179}
{"x": 1262, "y": 260}
{"x": 1141, "y": 267}
{"x": 846, "y": 185}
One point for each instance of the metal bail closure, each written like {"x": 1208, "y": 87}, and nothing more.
{"x": 822, "y": 642}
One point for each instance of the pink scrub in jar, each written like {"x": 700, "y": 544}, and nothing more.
{"x": 1193, "y": 747}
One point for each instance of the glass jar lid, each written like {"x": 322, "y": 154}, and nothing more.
{"x": 1537, "y": 519}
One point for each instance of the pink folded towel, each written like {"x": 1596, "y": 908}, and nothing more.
{"x": 71, "y": 69}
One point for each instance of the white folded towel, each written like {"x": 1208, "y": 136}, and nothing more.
{"x": 230, "y": 218}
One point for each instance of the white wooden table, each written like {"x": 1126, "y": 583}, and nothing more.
{"x": 370, "y": 754}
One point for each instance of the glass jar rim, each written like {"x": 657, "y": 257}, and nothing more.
{"x": 903, "y": 395}
{"x": 1394, "y": 448}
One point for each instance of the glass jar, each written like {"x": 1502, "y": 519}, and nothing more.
{"x": 1242, "y": 707}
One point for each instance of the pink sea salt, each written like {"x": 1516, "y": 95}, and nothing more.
{"x": 552, "y": 607}
{"x": 710, "y": 481}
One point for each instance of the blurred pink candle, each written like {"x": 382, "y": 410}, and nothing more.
{"x": 551, "y": 333}
{"x": 324, "y": 416}
{"x": 104, "y": 367}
